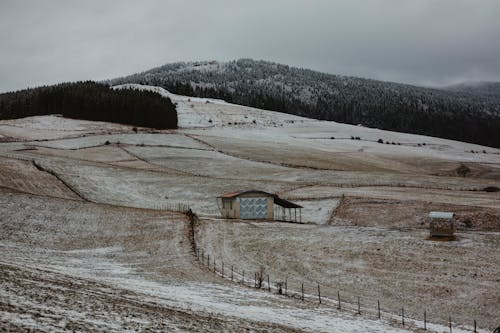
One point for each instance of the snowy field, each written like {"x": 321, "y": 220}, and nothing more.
{"x": 113, "y": 269}
{"x": 84, "y": 226}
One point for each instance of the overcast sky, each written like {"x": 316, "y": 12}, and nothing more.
{"x": 427, "y": 42}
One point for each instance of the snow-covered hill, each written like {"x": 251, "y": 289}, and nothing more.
{"x": 460, "y": 114}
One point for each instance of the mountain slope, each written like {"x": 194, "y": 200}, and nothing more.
{"x": 465, "y": 116}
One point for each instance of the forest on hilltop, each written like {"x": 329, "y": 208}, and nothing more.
{"x": 471, "y": 115}
{"x": 91, "y": 101}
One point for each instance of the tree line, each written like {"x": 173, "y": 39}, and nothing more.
{"x": 91, "y": 101}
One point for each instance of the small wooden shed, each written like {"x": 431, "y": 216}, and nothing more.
{"x": 441, "y": 224}
{"x": 258, "y": 205}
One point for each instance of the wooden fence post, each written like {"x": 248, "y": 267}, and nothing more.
{"x": 268, "y": 284}
{"x": 231, "y": 273}
{"x": 286, "y": 286}
{"x": 425, "y": 320}
{"x": 403, "y": 316}
{"x": 214, "y": 265}
{"x": 449, "y": 321}
{"x": 378, "y": 308}
{"x": 475, "y": 326}
{"x": 223, "y": 269}
{"x": 338, "y": 297}
{"x": 319, "y": 294}
{"x": 359, "y": 306}
{"x": 208, "y": 261}
{"x": 302, "y": 291}
{"x": 243, "y": 277}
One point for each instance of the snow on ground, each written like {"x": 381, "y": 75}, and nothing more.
{"x": 399, "y": 268}
{"x": 317, "y": 211}
{"x": 143, "y": 256}
{"x": 222, "y": 148}
{"x": 171, "y": 140}
{"x": 139, "y": 188}
{"x": 54, "y": 127}
{"x": 482, "y": 199}
{"x": 196, "y": 112}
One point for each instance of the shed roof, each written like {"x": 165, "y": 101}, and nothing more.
{"x": 277, "y": 200}
{"x": 441, "y": 215}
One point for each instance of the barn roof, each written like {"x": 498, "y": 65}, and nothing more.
{"x": 441, "y": 215}
{"x": 285, "y": 203}
{"x": 277, "y": 200}
{"x": 237, "y": 194}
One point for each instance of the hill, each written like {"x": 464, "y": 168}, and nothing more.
{"x": 91, "y": 101}
{"x": 487, "y": 90}
{"x": 460, "y": 114}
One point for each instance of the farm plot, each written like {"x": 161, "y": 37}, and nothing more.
{"x": 317, "y": 211}
{"x": 372, "y": 212}
{"x": 465, "y": 198}
{"x": 25, "y": 177}
{"x": 107, "y": 154}
{"x": 115, "y": 269}
{"x": 212, "y": 163}
{"x": 355, "y": 168}
{"x": 145, "y": 189}
{"x": 401, "y": 269}
{"x": 311, "y": 145}
{"x": 143, "y": 139}
{"x": 300, "y": 156}
{"x": 54, "y": 127}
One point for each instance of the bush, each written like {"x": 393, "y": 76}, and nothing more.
{"x": 380, "y": 141}
{"x": 463, "y": 170}
{"x": 491, "y": 189}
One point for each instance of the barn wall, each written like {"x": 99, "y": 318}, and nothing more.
{"x": 270, "y": 208}
{"x": 227, "y": 212}
{"x": 269, "y": 199}
{"x": 235, "y": 211}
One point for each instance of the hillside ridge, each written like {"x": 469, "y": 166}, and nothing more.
{"x": 469, "y": 115}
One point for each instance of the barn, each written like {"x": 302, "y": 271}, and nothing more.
{"x": 441, "y": 224}
{"x": 258, "y": 205}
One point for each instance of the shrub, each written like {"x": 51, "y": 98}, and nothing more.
{"x": 491, "y": 189}
{"x": 463, "y": 170}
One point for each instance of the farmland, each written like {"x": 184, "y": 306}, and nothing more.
{"x": 91, "y": 240}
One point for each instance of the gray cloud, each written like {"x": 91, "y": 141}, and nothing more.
{"x": 432, "y": 42}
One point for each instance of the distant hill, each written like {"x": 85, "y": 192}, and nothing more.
{"x": 91, "y": 101}
{"x": 486, "y": 90}
{"x": 461, "y": 113}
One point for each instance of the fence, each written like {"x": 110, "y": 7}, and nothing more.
{"x": 313, "y": 292}
{"x": 172, "y": 206}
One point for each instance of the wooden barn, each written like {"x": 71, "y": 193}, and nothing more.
{"x": 258, "y": 205}
{"x": 441, "y": 224}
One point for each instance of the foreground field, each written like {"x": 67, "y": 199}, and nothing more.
{"x": 68, "y": 265}
{"x": 90, "y": 241}
{"x": 398, "y": 268}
